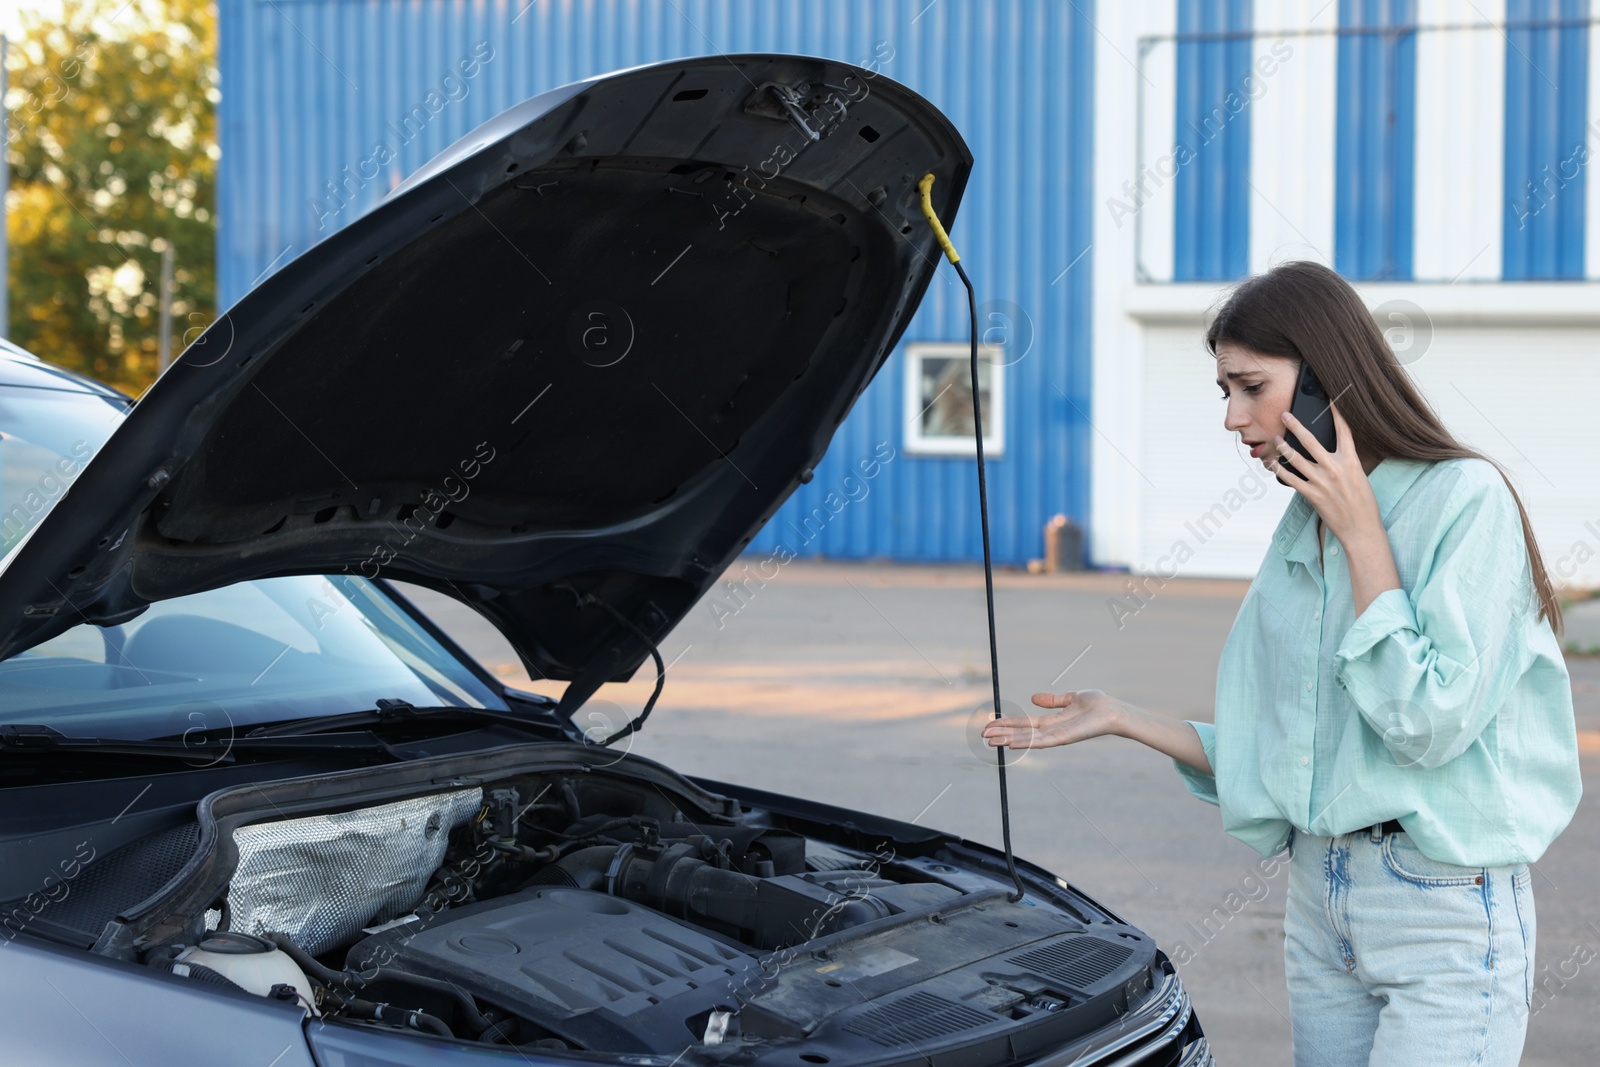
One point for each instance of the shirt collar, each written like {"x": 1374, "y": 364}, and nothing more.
{"x": 1296, "y": 535}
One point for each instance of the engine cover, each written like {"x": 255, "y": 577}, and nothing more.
{"x": 994, "y": 979}
{"x": 599, "y": 971}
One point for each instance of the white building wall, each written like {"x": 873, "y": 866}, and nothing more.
{"x": 1118, "y": 484}
{"x": 1292, "y": 127}
{"x": 1512, "y": 369}
{"x": 1460, "y": 121}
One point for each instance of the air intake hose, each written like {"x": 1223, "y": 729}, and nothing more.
{"x": 675, "y": 879}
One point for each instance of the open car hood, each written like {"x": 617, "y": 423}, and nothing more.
{"x": 589, "y": 349}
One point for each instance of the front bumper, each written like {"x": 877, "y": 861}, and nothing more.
{"x": 1161, "y": 1032}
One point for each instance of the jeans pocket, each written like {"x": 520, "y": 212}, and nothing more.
{"x": 1522, "y": 896}
{"x": 1405, "y": 861}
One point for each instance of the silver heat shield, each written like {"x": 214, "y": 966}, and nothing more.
{"x": 320, "y": 879}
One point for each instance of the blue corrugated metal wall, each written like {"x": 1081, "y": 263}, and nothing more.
{"x": 1212, "y": 192}
{"x": 317, "y": 94}
{"x": 1547, "y": 100}
{"x": 1374, "y": 140}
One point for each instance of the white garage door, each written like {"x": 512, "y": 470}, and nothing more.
{"x": 1527, "y": 396}
{"x": 1208, "y": 508}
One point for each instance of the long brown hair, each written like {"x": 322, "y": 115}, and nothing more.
{"x": 1306, "y": 311}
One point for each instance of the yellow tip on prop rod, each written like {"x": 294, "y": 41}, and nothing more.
{"x": 925, "y": 187}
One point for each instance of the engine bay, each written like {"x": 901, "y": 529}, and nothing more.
{"x": 551, "y": 903}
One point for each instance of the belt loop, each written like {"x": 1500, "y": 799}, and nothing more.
{"x": 1377, "y": 833}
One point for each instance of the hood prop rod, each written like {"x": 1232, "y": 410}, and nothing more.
{"x": 925, "y": 187}
{"x": 584, "y": 600}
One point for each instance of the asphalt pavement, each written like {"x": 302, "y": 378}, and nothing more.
{"x": 866, "y": 685}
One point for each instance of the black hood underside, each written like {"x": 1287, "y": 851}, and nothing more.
{"x": 588, "y": 351}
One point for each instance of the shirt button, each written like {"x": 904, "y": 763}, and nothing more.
{"x": 1334, "y": 550}
{"x": 1304, "y": 760}
{"x": 1310, "y": 686}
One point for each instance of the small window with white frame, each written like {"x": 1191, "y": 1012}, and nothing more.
{"x": 938, "y": 399}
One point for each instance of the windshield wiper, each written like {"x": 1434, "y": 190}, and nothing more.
{"x": 36, "y": 739}
{"x": 394, "y": 713}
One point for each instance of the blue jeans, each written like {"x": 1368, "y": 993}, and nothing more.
{"x": 1398, "y": 960}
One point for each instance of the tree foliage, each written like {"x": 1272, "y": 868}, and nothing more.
{"x": 112, "y": 145}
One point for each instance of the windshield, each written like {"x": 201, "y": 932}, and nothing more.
{"x": 46, "y": 436}
{"x": 262, "y": 651}
{"x": 277, "y": 648}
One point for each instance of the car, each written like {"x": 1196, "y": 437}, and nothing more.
{"x": 259, "y": 809}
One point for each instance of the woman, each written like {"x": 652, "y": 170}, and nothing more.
{"x": 1392, "y": 704}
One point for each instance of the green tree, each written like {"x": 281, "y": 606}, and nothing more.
{"x": 112, "y": 145}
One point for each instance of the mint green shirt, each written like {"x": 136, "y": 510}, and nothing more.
{"x": 1446, "y": 705}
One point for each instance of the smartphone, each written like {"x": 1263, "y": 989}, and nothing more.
{"x": 1312, "y": 408}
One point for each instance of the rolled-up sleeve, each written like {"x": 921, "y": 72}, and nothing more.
{"x": 1200, "y": 784}
{"x": 1428, "y": 669}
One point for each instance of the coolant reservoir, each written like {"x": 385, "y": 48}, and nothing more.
{"x": 250, "y": 962}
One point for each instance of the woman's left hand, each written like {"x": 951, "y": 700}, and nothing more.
{"x": 1336, "y": 485}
